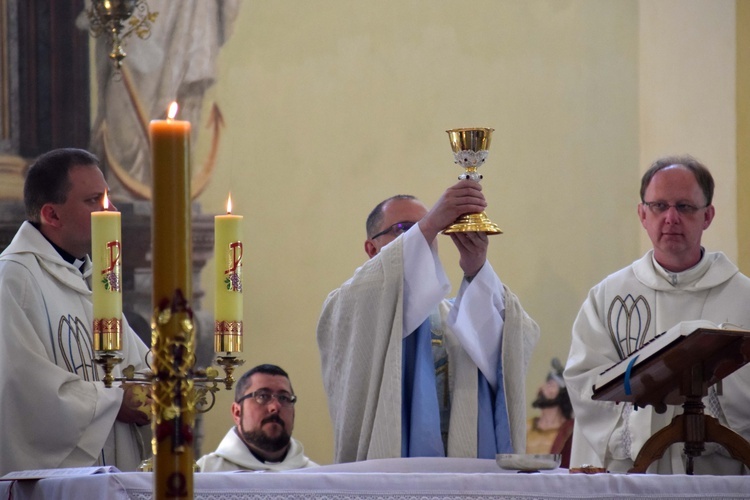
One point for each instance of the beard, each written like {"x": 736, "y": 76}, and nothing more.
{"x": 260, "y": 439}
{"x": 543, "y": 401}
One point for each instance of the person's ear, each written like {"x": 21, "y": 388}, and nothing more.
{"x": 708, "y": 216}
{"x": 49, "y": 215}
{"x": 236, "y": 413}
{"x": 642, "y": 214}
{"x": 370, "y": 249}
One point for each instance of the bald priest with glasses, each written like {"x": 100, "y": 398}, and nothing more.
{"x": 409, "y": 373}
{"x": 263, "y": 413}
{"x": 677, "y": 280}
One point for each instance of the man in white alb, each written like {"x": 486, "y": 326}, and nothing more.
{"x": 676, "y": 281}
{"x": 55, "y": 411}
{"x": 263, "y": 414}
{"x": 409, "y": 373}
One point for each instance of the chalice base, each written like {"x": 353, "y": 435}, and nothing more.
{"x": 473, "y": 223}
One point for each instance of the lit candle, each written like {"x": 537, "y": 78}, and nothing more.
{"x": 173, "y": 340}
{"x": 170, "y": 225}
{"x": 106, "y": 279}
{"x": 228, "y": 299}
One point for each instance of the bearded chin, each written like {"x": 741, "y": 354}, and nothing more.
{"x": 266, "y": 443}
{"x": 542, "y": 401}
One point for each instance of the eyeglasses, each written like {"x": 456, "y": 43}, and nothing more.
{"x": 659, "y": 207}
{"x": 397, "y": 229}
{"x": 264, "y": 397}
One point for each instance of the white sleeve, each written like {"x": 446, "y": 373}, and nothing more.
{"x": 477, "y": 320}
{"x": 425, "y": 282}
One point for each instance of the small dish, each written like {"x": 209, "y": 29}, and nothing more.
{"x": 528, "y": 463}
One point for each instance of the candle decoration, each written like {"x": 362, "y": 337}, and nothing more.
{"x": 106, "y": 278}
{"x": 228, "y": 304}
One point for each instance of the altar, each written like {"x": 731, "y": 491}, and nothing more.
{"x": 412, "y": 478}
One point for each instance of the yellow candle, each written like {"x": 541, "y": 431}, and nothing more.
{"x": 170, "y": 223}
{"x": 106, "y": 278}
{"x": 228, "y": 303}
{"x": 173, "y": 341}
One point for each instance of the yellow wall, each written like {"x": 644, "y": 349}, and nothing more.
{"x": 743, "y": 133}
{"x": 687, "y": 98}
{"x": 332, "y": 105}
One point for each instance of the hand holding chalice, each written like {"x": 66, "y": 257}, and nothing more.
{"x": 470, "y": 148}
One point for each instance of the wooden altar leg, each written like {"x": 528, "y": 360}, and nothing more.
{"x": 689, "y": 428}
{"x": 735, "y": 444}
{"x": 657, "y": 444}
{"x": 708, "y": 430}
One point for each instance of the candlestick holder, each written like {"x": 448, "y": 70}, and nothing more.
{"x": 228, "y": 336}
{"x": 120, "y": 19}
{"x": 205, "y": 381}
{"x": 470, "y": 149}
{"x": 108, "y": 360}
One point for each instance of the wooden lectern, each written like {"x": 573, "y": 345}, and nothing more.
{"x": 680, "y": 372}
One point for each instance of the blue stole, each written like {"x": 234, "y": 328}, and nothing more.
{"x": 420, "y": 411}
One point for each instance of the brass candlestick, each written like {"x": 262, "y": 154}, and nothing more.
{"x": 470, "y": 148}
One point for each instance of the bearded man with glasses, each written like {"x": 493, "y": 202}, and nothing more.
{"x": 410, "y": 373}
{"x": 263, "y": 413}
{"x": 676, "y": 281}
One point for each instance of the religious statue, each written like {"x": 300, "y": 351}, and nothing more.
{"x": 177, "y": 62}
{"x": 550, "y": 431}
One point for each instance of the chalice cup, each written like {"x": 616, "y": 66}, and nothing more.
{"x": 470, "y": 148}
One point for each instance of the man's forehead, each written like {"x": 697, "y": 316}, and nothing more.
{"x": 398, "y": 210}
{"x": 260, "y": 381}
{"x": 87, "y": 178}
{"x": 674, "y": 172}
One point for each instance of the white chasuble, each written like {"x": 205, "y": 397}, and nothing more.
{"x": 55, "y": 411}
{"x": 360, "y": 333}
{"x": 622, "y": 313}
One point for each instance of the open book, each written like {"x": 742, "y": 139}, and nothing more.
{"x": 661, "y": 342}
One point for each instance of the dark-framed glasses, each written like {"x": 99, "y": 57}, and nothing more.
{"x": 659, "y": 207}
{"x": 264, "y": 397}
{"x": 397, "y": 229}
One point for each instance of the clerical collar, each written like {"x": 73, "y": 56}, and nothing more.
{"x": 67, "y": 257}
{"x": 685, "y": 277}
{"x": 263, "y": 460}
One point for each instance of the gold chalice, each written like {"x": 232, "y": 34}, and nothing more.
{"x": 470, "y": 146}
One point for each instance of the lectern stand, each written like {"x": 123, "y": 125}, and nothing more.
{"x": 681, "y": 373}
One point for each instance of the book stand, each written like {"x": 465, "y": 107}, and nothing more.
{"x": 681, "y": 373}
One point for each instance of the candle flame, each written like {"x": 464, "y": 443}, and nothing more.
{"x": 172, "y": 111}
{"x": 229, "y": 203}
{"x": 105, "y": 203}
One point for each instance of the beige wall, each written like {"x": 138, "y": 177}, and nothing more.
{"x": 688, "y": 100}
{"x": 742, "y": 134}
{"x": 332, "y": 105}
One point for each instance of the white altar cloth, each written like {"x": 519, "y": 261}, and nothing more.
{"x": 406, "y": 479}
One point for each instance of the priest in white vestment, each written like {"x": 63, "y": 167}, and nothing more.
{"x": 406, "y": 371}
{"x": 261, "y": 439}
{"x": 676, "y": 281}
{"x": 55, "y": 410}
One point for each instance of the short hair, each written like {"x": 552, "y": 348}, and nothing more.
{"x": 376, "y": 216}
{"x": 699, "y": 170}
{"x": 47, "y": 179}
{"x": 266, "y": 368}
